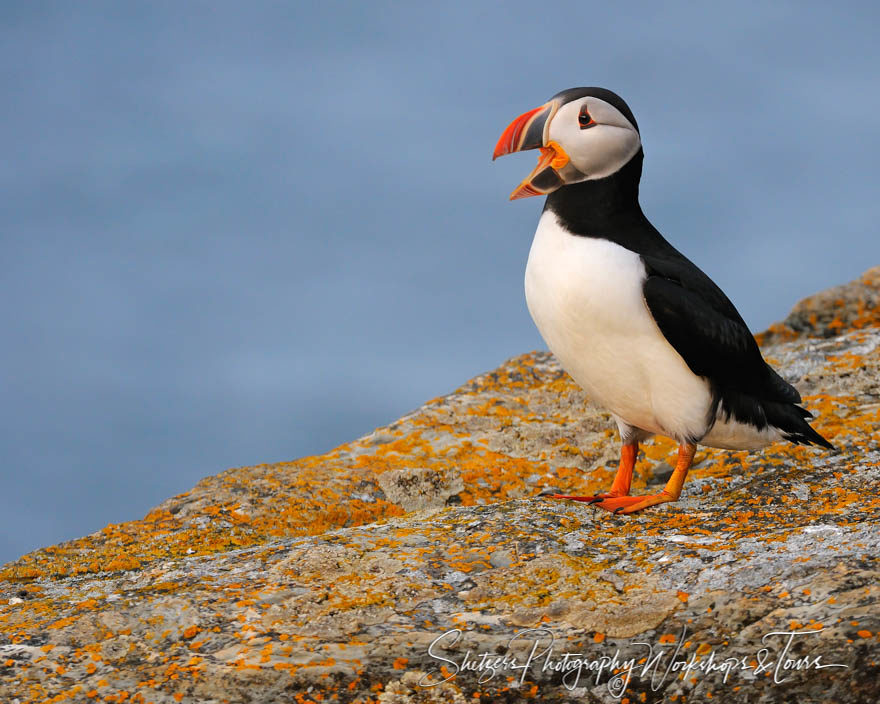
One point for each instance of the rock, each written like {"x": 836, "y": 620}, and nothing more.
{"x": 408, "y": 690}
{"x": 420, "y": 488}
{"x": 419, "y": 564}
{"x": 850, "y": 306}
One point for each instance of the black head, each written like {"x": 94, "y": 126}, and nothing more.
{"x": 584, "y": 134}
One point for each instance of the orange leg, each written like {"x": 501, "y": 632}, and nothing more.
{"x": 671, "y": 492}
{"x": 622, "y": 480}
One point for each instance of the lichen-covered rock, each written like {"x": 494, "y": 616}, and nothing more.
{"x": 419, "y": 564}
{"x": 828, "y": 313}
{"x": 420, "y": 487}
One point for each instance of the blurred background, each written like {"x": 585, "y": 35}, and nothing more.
{"x": 240, "y": 233}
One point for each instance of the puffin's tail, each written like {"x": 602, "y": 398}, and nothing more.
{"x": 790, "y": 420}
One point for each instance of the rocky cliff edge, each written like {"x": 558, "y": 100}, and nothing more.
{"x": 418, "y": 564}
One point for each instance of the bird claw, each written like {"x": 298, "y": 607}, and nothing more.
{"x": 585, "y": 499}
{"x": 618, "y": 505}
{"x": 630, "y": 504}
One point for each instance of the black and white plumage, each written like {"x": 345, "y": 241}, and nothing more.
{"x": 643, "y": 330}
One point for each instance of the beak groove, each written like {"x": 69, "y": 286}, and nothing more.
{"x": 529, "y": 131}
{"x": 525, "y": 132}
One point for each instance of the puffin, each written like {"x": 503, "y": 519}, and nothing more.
{"x": 648, "y": 335}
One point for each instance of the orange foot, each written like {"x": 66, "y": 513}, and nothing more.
{"x": 598, "y": 498}
{"x": 618, "y": 504}
{"x": 622, "y": 481}
{"x": 631, "y": 504}
{"x": 618, "y": 499}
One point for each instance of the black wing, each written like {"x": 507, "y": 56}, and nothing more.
{"x": 705, "y": 328}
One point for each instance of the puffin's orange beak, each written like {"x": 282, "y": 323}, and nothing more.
{"x": 529, "y": 131}
{"x": 525, "y": 132}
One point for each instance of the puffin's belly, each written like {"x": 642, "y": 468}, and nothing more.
{"x": 585, "y": 296}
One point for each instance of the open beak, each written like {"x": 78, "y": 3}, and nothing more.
{"x": 529, "y": 131}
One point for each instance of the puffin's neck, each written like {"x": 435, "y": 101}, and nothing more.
{"x": 607, "y": 208}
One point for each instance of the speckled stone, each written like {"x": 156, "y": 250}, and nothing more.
{"x": 358, "y": 575}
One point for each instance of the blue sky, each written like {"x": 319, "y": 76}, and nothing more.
{"x": 242, "y": 233}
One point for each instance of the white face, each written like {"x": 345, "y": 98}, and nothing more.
{"x": 597, "y": 148}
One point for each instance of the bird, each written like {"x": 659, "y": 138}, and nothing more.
{"x": 636, "y": 324}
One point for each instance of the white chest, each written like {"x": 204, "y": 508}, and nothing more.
{"x": 585, "y": 296}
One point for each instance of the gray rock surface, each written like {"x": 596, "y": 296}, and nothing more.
{"x": 423, "y": 555}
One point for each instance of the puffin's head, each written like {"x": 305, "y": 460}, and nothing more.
{"x": 583, "y": 134}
